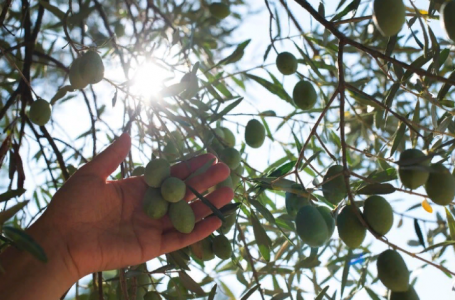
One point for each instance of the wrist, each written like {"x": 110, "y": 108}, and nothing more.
{"x": 25, "y": 277}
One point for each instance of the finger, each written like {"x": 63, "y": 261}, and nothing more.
{"x": 214, "y": 175}
{"x": 105, "y": 163}
{"x": 186, "y": 168}
{"x": 174, "y": 240}
{"x": 218, "y": 198}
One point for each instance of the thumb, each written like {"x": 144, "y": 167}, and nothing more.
{"x": 108, "y": 161}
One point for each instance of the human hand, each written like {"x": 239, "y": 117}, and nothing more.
{"x": 100, "y": 224}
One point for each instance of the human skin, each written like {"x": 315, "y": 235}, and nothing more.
{"x": 93, "y": 224}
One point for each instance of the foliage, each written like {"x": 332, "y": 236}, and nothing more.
{"x": 375, "y": 97}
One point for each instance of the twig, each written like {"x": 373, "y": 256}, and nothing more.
{"x": 250, "y": 259}
{"x": 331, "y": 27}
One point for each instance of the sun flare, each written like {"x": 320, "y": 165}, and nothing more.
{"x": 148, "y": 80}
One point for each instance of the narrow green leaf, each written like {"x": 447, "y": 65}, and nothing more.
{"x": 227, "y": 109}
{"x": 215, "y": 210}
{"x": 416, "y": 64}
{"x": 263, "y": 240}
{"x": 272, "y": 88}
{"x": 445, "y": 87}
{"x": 377, "y": 189}
{"x": 282, "y": 170}
{"x": 280, "y": 296}
{"x": 11, "y": 194}
{"x": 398, "y": 138}
{"x": 344, "y": 277}
{"x": 61, "y": 92}
{"x": 391, "y": 45}
{"x": 10, "y": 212}
{"x": 416, "y": 120}
{"x": 322, "y": 293}
{"x": 297, "y": 142}
{"x": 250, "y": 292}
{"x": 351, "y": 7}
{"x": 53, "y": 9}
{"x": 443, "y": 244}
{"x": 310, "y": 62}
{"x": 450, "y": 223}
{"x": 236, "y": 55}
{"x": 201, "y": 170}
{"x": 212, "y": 292}
{"x": 24, "y": 242}
{"x": 310, "y": 159}
{"x": 268, "y": 216}
{"x": 190, "y": 284}
{"x": 391, "y": 95}
{"x": 419, "y": 232}
{"x": 372, "y": 294}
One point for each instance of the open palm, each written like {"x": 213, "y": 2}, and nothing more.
{"x": 103, "y": 224}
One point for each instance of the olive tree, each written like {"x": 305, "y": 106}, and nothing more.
{"x": 342, "y": 109}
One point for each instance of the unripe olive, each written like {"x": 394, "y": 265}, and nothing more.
{"x": 350, "y": 229}
{"x": 216, "y": 136}
{"x": 182, "y": 216}
{"x": 335, "y": 189}
{"x": 286, "y": 63}
{"x": 227, "y": 182}
{"x": 254, "y": 134}
{"x": 138, "y": 171}
{"x": 156, "y": 172}
{"x": 235, "y": 174}
{"x": 91, "y": 67}
{"x": 294, "y": 202}
{"x": 311, "y": 226}
{"x": 76, "y": 80}
{"x": 392, "y": 271}
{"x": 229, "y": 137}
{"x": 328, "y": 218}
{"x": 304, "y": 95}
{"x": 219, "y": 10}
{"x": 203, "y": 250}
{"x": 409, "y": 295}
{"x": 413, "y": 175}
{"x": 170, "y": 151}
{"x": 177, "y": 138}
{"x": 221, "y": 247}
{"x": 447, "y": 21}
{"x": 40, "y": 112}
{"x": 389, "y": 16}
{"x": 173, "y": 189}
{"x": 154, "y": 205}
{"x": 231, "y": 157}
{"x": 440, "y": 186}
{"x": 378, "y": 213}
{"x": 71, "y": 169}
{"x": 229, "y": 221}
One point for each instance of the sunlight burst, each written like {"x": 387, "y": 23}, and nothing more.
{"x": 148, "y": 80}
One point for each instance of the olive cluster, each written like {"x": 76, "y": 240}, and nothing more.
{"x": 165, "y": 195}
{"x": 389, "y": 17}
{"x": 415, "y": 170}
{"x": 304, "y": 94}
{"x": 86, "y": 69}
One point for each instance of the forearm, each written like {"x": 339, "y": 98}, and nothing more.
{"x": 25, "y": 277}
